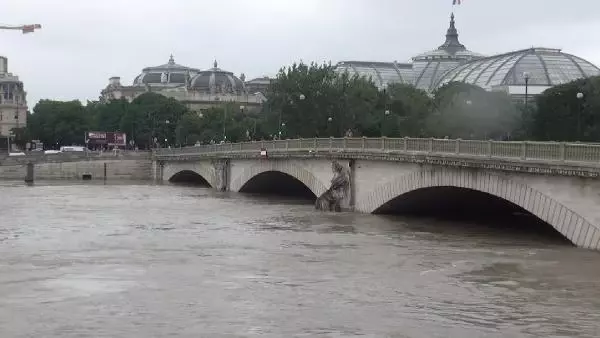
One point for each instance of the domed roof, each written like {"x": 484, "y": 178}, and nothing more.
{"x": 217, "y": 80}
{"x": 451, "y": 49}
{"x": 168, "y": 73}
{"x": 544, "y": 66}
{"x": 430, "y": 66}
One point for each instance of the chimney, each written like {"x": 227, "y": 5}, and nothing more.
{"x": 3, "y": 65}
{"x": 115, "y": 81}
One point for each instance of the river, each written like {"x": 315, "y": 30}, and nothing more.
{"x": 140, "y": 260}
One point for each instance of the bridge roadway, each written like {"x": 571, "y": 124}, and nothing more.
{"x": 557, "y": 182}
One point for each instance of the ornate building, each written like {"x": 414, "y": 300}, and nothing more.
{"x": 13, "y": 103}
{"x": 197, "y": 89}
{"x": 535, "y": 68}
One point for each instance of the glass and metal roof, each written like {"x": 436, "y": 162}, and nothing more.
{"x": 429, "y": 67}
{"x": 381, "y": 73}
{"x": 176, "y": 74}
{"x": 543, "y": 66}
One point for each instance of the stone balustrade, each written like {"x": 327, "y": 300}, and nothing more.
{"x": 524, "y": 150}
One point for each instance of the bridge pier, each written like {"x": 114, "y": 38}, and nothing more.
{"x": 222, "y": 169}
{"x": 30, "y": 174}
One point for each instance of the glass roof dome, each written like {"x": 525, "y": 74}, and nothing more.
{"x": 429, "y": 67}
{"x": 544, "y": 66}
{"x": 217, "y": 80}
{"x": 169, "y": 73}
{"x": 381, "y": 73}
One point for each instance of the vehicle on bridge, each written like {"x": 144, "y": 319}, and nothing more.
{"x": 70, "y": 149}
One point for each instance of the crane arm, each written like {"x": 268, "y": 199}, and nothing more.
{"x": 23, "y": 28}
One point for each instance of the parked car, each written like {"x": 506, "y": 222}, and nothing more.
{"x": 70, "y": 149}
{"x": 17, "y": 154}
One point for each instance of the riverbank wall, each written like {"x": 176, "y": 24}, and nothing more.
{"x": 136, "y": 166}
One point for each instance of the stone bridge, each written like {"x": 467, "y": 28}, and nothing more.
{"x": 557, "y": 182}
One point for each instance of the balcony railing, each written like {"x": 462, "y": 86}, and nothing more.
{"x": 525, "y": 150}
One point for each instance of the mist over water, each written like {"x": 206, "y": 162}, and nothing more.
{"x": 137, "y": 260}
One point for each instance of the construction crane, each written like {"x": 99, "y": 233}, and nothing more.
{"x": 23, "y": 28}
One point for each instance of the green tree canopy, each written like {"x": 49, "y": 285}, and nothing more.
{"x": 314, "y": 101}
{"x": 408, "y": 108}
{"x": 59, "y": 123}
{"x": 470, "y": 112}
{"x": 562, "y": 116}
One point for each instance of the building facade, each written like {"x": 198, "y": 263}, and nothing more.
{"x": 13, "y": 100}
{"x": 533, "y": 70}
{"x": 197, "y": 89}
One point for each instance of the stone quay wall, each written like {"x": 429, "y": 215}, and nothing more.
{"x": 124, "y": 167}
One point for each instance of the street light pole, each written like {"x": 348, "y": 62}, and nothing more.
{"x": 386, "y": 112}
{"x": 225, "y": 124}
{"x": 580, "y": 98}
{"x": 526, "y": 76}
{"x": 281, "y": 124}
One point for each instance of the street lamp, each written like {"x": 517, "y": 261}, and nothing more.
{"x": 580, "y": 98}
{"x": 281, "y": 127}
{"x": 281, "y": 123}
{"x": 386, "y": 113}
{"x": 526, "y": 76}
{"x": 166, "y": 131}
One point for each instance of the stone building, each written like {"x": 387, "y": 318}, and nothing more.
{"x": 533, "y": 69}
{"x": 195, "y": 88}
{"x": 13, "y": 102}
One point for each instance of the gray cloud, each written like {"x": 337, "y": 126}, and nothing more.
{"x": 83, "y": 43}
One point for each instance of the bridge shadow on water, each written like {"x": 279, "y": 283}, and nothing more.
{"x": 466, "y": 211}
{"x": 275, "y": 184}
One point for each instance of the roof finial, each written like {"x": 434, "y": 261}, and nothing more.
{"x": 215, "y": 63}
{"x": 171, "y": 59}
{"x": 452, "y": 45}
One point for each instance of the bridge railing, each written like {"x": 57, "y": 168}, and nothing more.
{"x": 525, "y": 150}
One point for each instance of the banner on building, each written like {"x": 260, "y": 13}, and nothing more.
{"x": 95, "y": 138}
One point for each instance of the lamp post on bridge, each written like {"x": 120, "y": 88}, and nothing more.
{"x": 526, "y": 77}
{"x": 580, "y": 97}
{"x": 280, "y": 123}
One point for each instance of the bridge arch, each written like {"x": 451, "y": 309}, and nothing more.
{"x": 170, "y": 170}
{"x": 316, "y": 186}
{"x": 570, "y": 224}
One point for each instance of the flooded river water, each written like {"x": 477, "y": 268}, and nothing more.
{"x": 134, "y": 260}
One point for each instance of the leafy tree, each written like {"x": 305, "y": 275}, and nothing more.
{"x": 151, "y": 116}
{"x": 59, "y": 123}
{"x": 107, "y": 116}
{"x": 409, "y": 108}
{"x": 314, "y": 101}
{"x": 562, "y": 116}
{"x": 467, "y": 111}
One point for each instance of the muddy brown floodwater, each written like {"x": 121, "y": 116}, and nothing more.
{"x": 134, "y": 260}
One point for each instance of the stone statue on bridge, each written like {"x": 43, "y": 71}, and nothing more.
{"x": 331, "y": 200}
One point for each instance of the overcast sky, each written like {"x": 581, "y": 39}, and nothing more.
{"x": 84, "y": 42}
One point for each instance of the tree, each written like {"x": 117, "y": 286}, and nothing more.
{"x": 59, "y": 123}
{"x": 562, "y": 116}
{"x": 151, "y": 116}
{"x": 108, "y": 116}
{"x": 314, "y": 101}
{"x": 409, "y": 108}
{"x": 467, "y": 111}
